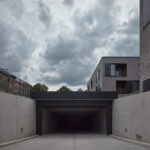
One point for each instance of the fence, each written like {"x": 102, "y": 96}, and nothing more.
{"x": 15, "y": 89}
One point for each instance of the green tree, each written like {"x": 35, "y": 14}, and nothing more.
{"x": 64, "y": 89}
{"x": 79, "y": 90}
{"x": 39, "y": 87}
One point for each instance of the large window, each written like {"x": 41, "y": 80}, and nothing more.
{"x": 115, "y": 70}
{"x": 98, "y": 74}
{"x": 91, "y": 85}
{"x": 126, "y": 87}
{"x": 112, "y": 70}
{"x": 96, "y": 77}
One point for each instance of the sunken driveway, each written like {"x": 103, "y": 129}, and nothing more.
{"x": 74, "y": 142}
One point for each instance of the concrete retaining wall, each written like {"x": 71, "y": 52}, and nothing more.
{"x": 17, "y": 117}
{"x": 131, "y": 117}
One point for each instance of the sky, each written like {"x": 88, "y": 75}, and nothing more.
{"x": 60, "y": 42}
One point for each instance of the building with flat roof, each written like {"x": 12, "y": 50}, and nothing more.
{"x": 120, "y": 74}
{"x": 12, "y": 84}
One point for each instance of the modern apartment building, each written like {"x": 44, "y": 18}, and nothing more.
{"x": 11, "y": 84}
{"x": 144, "y": 43}
{"x": 119, "y": 74}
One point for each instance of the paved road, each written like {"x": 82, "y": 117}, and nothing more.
{"x": 74, "y": 142}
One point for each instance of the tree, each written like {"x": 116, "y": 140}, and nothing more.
{"x": 64, "y": 89}
{"x": 39, "y": 87}
{"x": 79, "y": 90}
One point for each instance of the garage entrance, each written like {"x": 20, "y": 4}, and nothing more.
{"x": 74, "y": 120}
{"x": 74, "y": 112}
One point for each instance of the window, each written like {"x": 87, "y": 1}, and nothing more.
{"x": 121, "y": 87}
{"x": 91, "y": 84}
{"x": 126, "y": 87}
{"x": 88, "y": 88}
{"x": 96, "y": 88}
{"x": 96, "y": 77}
{"x": 115, "y": 70}
{"x": 98, "y": 74}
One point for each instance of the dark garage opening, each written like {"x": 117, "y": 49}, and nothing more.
{"x": 74, "y": 120}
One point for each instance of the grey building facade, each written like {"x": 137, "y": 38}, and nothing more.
{"x": 144, "y": 41}
{"x": 119, "y": 74}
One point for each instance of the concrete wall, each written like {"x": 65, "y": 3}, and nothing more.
{"x": 144, "y": 41}
{"x": 146, "y": 11}
{"x": 145, "y": 56}
{"x": 17, "y": 117}
{"x": 131, "y": 117}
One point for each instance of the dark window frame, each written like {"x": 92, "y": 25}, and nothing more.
{"x": 108, "y": 70}
{"x": 129, "y": 86}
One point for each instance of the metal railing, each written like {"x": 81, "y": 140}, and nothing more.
{"x": 17, "y": 90}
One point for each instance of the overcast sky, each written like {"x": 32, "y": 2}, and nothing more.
{"x": 60, "y": 42}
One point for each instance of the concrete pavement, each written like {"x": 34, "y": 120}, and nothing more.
{"x": 74, "y": 142}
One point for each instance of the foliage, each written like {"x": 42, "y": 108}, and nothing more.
{"x": 80, "y": 90}
{"x": 64, "y": 89}
{"x": 39, "y": 87}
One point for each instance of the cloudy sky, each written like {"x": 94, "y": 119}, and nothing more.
{"x": 60, "y": 42}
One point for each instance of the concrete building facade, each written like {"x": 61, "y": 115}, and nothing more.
{"x": 119, "y": 74}
{"x": 144, "y": 41}
{"x": 17, "y": 117}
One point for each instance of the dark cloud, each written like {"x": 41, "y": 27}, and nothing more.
{"x": 68, "y": 2}
{"x": 132, "y": 27}
{"x": 63, "y": 49}
{"x": 44, "y": 14}
{"x": 68, "y": 58}
{"x": 72, "y": 73}
{"x": 128, "y": 45}
{"x": 97, "y": 23}
{"x": 15, "y": 47}
{"x": 64, "y": 55}
{"x": 72, "y": 57}
{"x": 15, "y": 7}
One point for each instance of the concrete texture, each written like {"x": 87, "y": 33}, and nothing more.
{"x": 144, "y": 41}
{"x": 131, "y": 117}
{"x": 145, "y": 55}
{"x": 146, "y": 11}
{"x": 17, "y": 117}
{"x": 74, "y": 142}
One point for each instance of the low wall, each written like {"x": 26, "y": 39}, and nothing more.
{"x": 131, "y": 117}
{"x": 17, "y": 117}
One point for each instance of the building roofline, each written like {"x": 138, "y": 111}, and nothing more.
{"x": 13, "y": 76}
{"x": 110, "y": 57}
{"x": 120, "y": 57}
{"x": 74, "y": 95}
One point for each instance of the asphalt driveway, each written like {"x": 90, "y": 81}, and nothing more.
{"x": 74, "y": 142}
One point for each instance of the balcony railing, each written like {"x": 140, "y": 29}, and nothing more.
{"x": 121, "y": 73}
